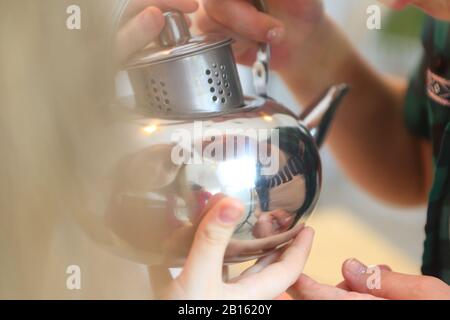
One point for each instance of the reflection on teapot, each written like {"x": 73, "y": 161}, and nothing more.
{"x": 193, "y": 136}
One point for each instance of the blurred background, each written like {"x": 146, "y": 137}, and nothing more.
{"x": 349, "y": 223}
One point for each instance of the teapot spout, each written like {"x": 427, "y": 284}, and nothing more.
{"x": 317, "y": 118}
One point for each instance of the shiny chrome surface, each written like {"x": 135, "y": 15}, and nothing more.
{"x": 319, "y": 116}
{"x": 154, "y": 204}
{"x": 189, "y": 86}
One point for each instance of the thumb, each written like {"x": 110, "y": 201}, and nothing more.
{"x": 381, "y": 282}
{"x": 205, "y": 260}
{"x": 139, "y": 32}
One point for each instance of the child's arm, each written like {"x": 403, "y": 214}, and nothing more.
{"x": 369, "y": 137}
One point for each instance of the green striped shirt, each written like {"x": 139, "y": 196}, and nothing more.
{"x": 427, "y": 114}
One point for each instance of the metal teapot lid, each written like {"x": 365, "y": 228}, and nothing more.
{"x": 176, "y": 41}
{"x": 184, "y": 76}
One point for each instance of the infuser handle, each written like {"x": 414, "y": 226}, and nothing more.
{"x": 176, "y": 31}
{"x": 261, "y": 67}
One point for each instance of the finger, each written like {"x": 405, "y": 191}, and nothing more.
{"x": 205, "y": 260}
{"x": 283, "y": 218}
{"x": 276, "y": 278}
{"x": 284, "y": 297}
{"x": 385, "y": 267}
{"x": 263, "y": 226}
{"x": 243, "y": 18}
{"x": 308, "y": 289}
{"x": 213, "y": 201}
{"x": 261, "y": 264}
{"x": 305, "y": 288}
{"x": 138, "y": 32}
{"x": 208, "y": 25}
{"x": 210, "y": 203}
{"x": 264, "y": 262}
{"x": 270, "y": 223}
{"x": 383, "y": 283}
{"x": 136, "y": 6}
{"x": 247, "y": 55}
{"x": 343, "y": 285}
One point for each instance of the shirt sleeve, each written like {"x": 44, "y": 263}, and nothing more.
{"x": 416, "y": 104}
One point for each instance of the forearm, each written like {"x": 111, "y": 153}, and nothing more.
{"x": 369, "y": 137}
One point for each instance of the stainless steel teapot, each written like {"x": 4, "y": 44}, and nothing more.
{"x": 196, "y": 136}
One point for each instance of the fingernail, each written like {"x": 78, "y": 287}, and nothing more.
{"x": 229, "y": 215}
{"x": 355, "y": 267}
{"x": 275, "y": 35}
